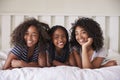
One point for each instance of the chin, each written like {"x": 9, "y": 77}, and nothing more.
{"x": 80, "y": 43}
{"x": 29, "y": 45}
{"x": 61, "y": 47}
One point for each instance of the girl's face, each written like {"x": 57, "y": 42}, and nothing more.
{"x": 31, "y": 36}
{"x": 81, "y": 35}
{"x": 59, "y": 39}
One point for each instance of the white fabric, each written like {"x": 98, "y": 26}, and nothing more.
{"x": 113, "y": 55}
{"x": 101, "y": 53}
{"x": 60, "y": 72}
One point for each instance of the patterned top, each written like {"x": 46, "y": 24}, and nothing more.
{"x": 22, "y": 51}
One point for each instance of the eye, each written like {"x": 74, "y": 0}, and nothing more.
{"x": 63, "y": 36}
{"x": 56, "y": 37}
{"x": 34, "y": 34}
{"x": 76, "y": 33}
{"x": 26, "y": 33}
{"x": 84, "y": 32}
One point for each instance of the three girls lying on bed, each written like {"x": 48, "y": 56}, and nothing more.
{"x": 36, "y": 45}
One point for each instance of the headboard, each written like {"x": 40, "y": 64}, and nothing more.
{"x": 109, "y": 24}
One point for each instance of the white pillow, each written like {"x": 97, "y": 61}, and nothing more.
{"x": 4, "y": 54}
{"x": 114, "y": 55}
{"x": 3, "y": 57}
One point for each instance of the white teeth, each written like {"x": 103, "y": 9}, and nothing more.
{"x": 81, "y": 40}
{"x": 61, "y": 43}
{"x": 29, "y": 41}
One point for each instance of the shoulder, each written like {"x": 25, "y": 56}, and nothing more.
{"x": 75, "y": 48}
{"x": 102, "y": 52}
{"x": 18, "y": 48}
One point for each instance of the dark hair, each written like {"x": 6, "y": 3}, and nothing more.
{"x": 93, "y": 29}
{"x": 17, "y": 37}
{"x": 52, "y": 47}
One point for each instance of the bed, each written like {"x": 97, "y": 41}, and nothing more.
{"x": 61, "y": 72}
{"x": 10, "y": 21}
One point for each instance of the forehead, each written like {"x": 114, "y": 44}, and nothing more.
{"x": 59, "y": 31}
{"x": 79, "y": 28}
{"x": 32, "y": 28}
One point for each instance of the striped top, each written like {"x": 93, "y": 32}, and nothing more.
{"x": 22, "y": 51}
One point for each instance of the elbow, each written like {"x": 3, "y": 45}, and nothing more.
{"x": 87, "y": 67}
{"x": 42, "y": 64}
{"x": 4, "y": 68}
{"x": 90, "y": 66}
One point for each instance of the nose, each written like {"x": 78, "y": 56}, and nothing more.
{"x": 79, "y": 36}
{"x": 60, "y": 39}
{"x": 29, "y": 37}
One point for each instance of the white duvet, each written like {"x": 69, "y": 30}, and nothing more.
{"x": 59, "y": 72}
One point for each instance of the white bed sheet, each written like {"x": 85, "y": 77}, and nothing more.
{"x": 61, "y": 73}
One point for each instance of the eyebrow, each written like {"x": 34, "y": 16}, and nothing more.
{"x": 80, "y": 30}
{"x": 35, "y": 32}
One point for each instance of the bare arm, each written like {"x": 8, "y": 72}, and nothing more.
{"x": 20, "y": 63}
{"x": 86, "y": 63}
{"x": 85, "y": 59}
{"x": 7, "y": 64}
{"x": 77, "y": 59}
{"x": 57, "y": 63}
{"x": 48, "y": 60}
{"x": 42, "y": 60}
{"x": 72, "y": 61}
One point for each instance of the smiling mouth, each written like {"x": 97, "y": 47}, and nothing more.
{"x": 29, "y": 42}
{"x": 81, "y": 41}
{"x": 61, "y": 44}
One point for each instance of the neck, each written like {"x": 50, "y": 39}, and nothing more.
{"x": 58, "y": 50}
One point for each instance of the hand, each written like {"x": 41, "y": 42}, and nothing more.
{"x": 88, "y": 43}
{"x": 17, "y": 63}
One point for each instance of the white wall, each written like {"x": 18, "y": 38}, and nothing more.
{"x": 82, "y": 7}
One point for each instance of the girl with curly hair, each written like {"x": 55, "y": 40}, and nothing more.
{"x": 87, "y": 45}
{"x": 58, "y": 50}
{"x": 29, "y": 40}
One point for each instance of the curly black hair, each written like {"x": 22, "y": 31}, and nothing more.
{"x": 17, "y": 36}
{"x": 51, "y": 48}
{"x": 92, "y": 28}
